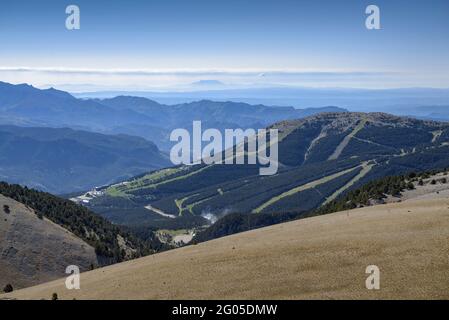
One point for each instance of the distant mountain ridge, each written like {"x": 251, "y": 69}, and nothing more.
{"x": 28, "y": 106}
{"x": 417, "y": 102}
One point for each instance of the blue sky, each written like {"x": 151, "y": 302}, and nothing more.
{"x": 159, "y": 44}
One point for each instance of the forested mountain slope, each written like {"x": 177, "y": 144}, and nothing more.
{"x": 321, "y": 158}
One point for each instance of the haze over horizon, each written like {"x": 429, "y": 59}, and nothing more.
{"x": 296, "y": 44}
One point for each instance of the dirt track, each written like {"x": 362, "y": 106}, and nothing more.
{"x": 322, "y": 257}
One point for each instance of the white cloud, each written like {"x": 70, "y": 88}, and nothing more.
{"x": 79, "y": 79}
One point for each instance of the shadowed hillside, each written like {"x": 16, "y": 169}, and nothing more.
{"x": 33, "y": 249}
{"x": 66, "y": 160}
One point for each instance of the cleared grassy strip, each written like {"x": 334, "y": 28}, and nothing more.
{"x": 436, "y": 135}
{"x": 160, "y": 174}
{"x": 192, "y": 205}
{"x": 313, "y": 143}
{"x": 180, "y": 177}
{"x": 121, "y": 189}
{"x": 189, "y": 207}
{"x": 346, "y": 140}
{"x": 114, "y": 191}
{"x": 179, "y": 203}
{"x": 366, "y": 168}
{"x": 154, "y": 185}
{"x": 302, "y": 188}
{"x": 374, "y": 143}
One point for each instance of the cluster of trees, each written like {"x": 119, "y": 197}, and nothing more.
{"x": 295, "y": 145}
{"x": 8, "y": 288}
{"x": 378, "y": 190}
{"x": 240, "y": 222}
{"x": 326, "y": 146}
{"x": 142, "y": 218}
{"x": 93, "y": 229}
{"x": 397, "y": 136}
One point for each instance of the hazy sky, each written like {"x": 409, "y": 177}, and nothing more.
{"x": 170, "y": 43}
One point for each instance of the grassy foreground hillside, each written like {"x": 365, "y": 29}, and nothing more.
{"x": 322, "y": 257}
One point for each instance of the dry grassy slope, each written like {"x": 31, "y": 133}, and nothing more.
{"x": 34, "y": 251}
{"x": 321, "y": 257}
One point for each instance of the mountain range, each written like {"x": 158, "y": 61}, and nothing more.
{"x": 25, "y": 105}
{"x": 429, "y": 103}
{"x": 55, "y": 142}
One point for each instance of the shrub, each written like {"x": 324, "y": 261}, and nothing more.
{"x": 433, "y": 181}
{"x": 54, "y": 296}
{"x": 6, "y": 209}
{"x": 8, "y": 288}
